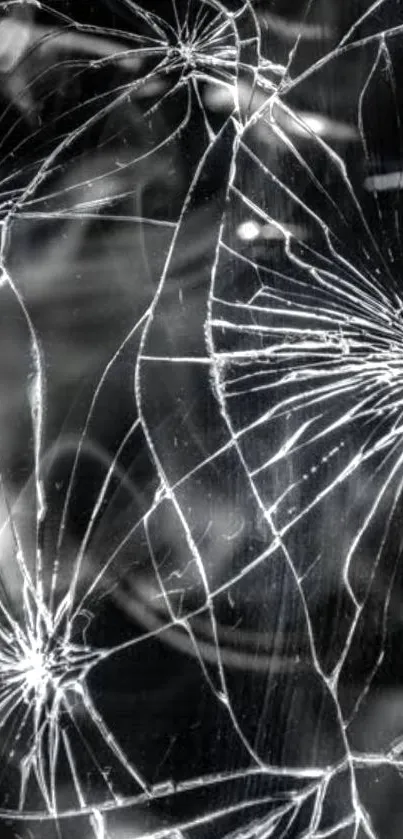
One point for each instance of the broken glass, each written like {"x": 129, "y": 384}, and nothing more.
{"x": 201, "y": 418}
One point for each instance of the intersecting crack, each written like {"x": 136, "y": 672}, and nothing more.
{"x": 246, "y": 520}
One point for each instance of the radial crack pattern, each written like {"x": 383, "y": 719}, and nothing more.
{"x": 201, "y": 444}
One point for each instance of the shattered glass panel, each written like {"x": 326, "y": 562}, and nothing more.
{"x": 201, "y": 419}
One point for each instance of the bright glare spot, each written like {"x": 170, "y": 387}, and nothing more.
{"x": 35, "y": 670}
{"x": 216, "y": 98}
{"x": 248, "y": 231}
{"x": 384, "y": 182}
{"x": 315, "y": 123}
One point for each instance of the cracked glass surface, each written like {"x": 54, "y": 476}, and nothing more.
{"x": 201, "y": 416}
